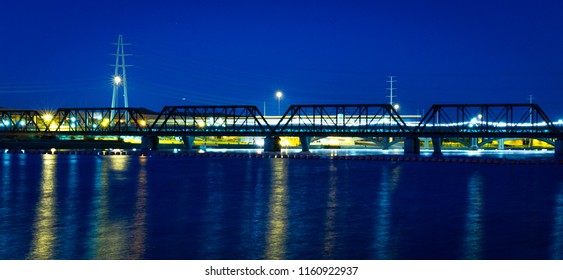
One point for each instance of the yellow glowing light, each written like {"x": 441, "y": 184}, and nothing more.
{"x": 47, "y": 117}
{"x": 480, "y": 116}
{"x": 142, "y": 123}
{"x": 105, "y": 122}
{"x": 117, "y": 80}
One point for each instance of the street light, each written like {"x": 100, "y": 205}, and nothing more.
{"x": 279, "y": 96}
{"x": 396, "y": 106}
{"x": 116, "y": 80}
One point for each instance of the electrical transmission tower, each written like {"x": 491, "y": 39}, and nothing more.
{"x": 120, "y": 75}
{"x": 391, "y": 88}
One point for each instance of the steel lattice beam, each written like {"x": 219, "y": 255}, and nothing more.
{"x": 243, "y": 120}
{"x": 486, "y": 120}
{"x": 369, "y": 120}
{"x": 21, "y": 121}
{"x": 100, "y": 121}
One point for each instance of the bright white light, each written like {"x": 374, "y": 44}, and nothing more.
{"x": 95, "y": 125}
{"x": 22, "y": 123}
{"x": 117, "y": 80}
{"x": 279, "y": 94}
{"x": 260, "y": 142}
{"x": 47, "y": 117}
{"x": 396, "y": 106}
{"x": 72, "y": 119}
{"x": 480, "y": 116}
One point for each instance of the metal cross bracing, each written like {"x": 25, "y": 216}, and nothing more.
{"x": 486, "y": 120}
{"x": 18, "y": 121}
{"x": 239, "y": 120}
{"x": 100, "y": 121}
{"x": 342, "y": 120}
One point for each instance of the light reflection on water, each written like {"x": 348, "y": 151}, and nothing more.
{"x": 388, "y": 183}
{"x": 104, "y": 208}
{"x": 473, "y": 220}
{"x": 331, "y": 206}
{"x": 277, "y": 217}
{"x": 557, "y": 247}
{"x": 139, "y": 231}
{"x": 44, "y": 237}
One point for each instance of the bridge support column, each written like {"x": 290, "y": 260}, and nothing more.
{"x": 272, "y": 144}
{"x": 474, "y": 144}
{"x": 305, "y": 143}
{"x": 437, "y": 144}
{"x": 559, "y": 147}
{"x": 501, "y": 144}
{"x": 412, "y": 145}
{"x": 385, "y": 143}
{"x": 188, "y": 142}
{"x": 427, "y": 143}
{"x": 149, "y": 143}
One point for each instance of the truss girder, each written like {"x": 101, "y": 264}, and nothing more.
{"x": 99, "y": 121}
{"x": 342, "y": 120}
{"x": 486, "y": 120}
{"x": 211, "y": 120}
{"x": 21, "y": 121}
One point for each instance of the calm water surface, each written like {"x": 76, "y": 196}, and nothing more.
{"x": 130, "y": 207}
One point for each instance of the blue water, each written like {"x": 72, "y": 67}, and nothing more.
{"x": 131, "y": 207}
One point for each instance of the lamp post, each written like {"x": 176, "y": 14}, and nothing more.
{"x": 279, "y": 96}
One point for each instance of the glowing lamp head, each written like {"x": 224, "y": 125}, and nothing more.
{"x": 279, "y": 94}
{"x": 117, "y": 80}
{"x": 396, "y": 106}
{"x": 47, "y": 117}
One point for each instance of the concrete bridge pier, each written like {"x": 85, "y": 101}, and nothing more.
{"x": 501, "y": 144}
{"x": 559, "y": 147}
{"x": 412, "y": 145}
{"x": 305, "y": 143}
{"x": 188, "y": 142}
{"x": 474, "y": 144}
{"x": 149, "y": 143}
{"x": 272, "y": 144}
{"x": 385, "y": 143}
{"x": 437, "y": 144}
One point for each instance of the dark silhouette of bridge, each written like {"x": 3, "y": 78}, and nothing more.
{"x": 490, "y": 121}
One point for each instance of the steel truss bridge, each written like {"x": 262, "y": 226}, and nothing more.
{"x": 486, "y": 121}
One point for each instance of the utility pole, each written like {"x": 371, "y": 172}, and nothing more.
{"x": 120, "y": 75}
{"x": 390, "y": 89}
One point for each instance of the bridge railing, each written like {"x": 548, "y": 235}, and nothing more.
{"x": 486, "y": 120}
{"x": 341, "y": 120}
{"x": 226, "y": 120}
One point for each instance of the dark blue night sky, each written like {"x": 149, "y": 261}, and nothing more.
{"x": 57, "y": 53}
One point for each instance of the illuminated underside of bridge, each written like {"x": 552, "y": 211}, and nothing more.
{"x": 470, "y": 121}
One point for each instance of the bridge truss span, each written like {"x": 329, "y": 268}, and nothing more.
{"x": 342, "y": 120}
{"x": 100, "y": 121}
{"x": 237, "y": 120}
{"x": 486, "y": 120}
{"x": 21, "y": 121}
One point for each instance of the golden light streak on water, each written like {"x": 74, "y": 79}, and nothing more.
{"x": 110, "y": 236}
{"x": 277, "y": 217}
{"x": 139, "y": 232}
{"x": 44, "y": 238}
